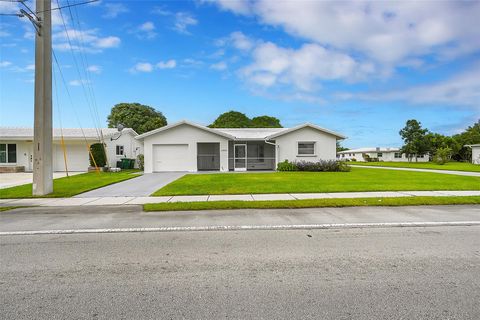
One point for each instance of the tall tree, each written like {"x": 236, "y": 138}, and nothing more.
{"x": 340, "y": 147}
{"x": 413, "y": 136}
{"x": 139, "y": 117}
{"x": 231, "y": 119}
{"x": 470, "y": 136}
{"x": 265, "y": 122}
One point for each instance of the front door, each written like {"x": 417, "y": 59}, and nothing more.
{"x": 240, "y": 157}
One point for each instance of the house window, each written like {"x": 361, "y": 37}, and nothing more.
{"x": 398, "y": 155}
{"x": 306, "y": 148}
{"x": 379, "y": 155}
{"x": 421, "y": 156}
{"x": 8, "y": 153}
{"x": 119, "y": 151}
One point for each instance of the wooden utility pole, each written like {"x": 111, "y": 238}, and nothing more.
{"x": 42, "y": 132}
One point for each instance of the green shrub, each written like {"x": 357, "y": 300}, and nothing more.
{"x": 322, "y": 166}
{"x": 98, "y": 152}
{"x": 141, "y": 161}
{"x": 442, "y": 155}
{"x": 286, "y": 166}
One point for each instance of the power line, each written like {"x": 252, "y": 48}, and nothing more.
{"x": 70, "y": 5}
{"x": 87, "y": 98}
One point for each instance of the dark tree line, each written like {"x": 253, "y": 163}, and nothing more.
{"x": 418, "y": 140}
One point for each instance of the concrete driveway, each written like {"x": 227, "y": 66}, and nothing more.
{"x": 8, "y": 180}
{"x": 142, "y": 186}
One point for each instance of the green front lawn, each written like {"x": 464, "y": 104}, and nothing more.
{"x": 359, "y": 179}
{"x": 456, "y": 166}
{"x": 70, "y": 186}
{"x": 310, "y": 203}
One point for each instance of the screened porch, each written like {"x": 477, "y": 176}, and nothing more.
{"x": 251, "y": 155}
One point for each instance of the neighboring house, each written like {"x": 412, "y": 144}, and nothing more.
{"x": 186, "y": 146}
{"x": 475, "y": 153}
{"x": 16, "y": 147}
{"x": 383, "y": 154}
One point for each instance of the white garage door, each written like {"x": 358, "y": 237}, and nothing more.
{"x": 77, "y": 158}
{"x": 171, "y": 157}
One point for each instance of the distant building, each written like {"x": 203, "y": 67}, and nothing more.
{"x": 475, "y": 153}
{"x": 382, "y": 154}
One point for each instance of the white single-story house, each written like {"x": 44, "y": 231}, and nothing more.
{"x": 187, "y": 146}
{"x": 475, "y": 153}
{"x": 383, "y": 154}
{"x": 16, "y": 147}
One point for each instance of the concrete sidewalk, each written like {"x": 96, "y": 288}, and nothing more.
{"x": 456, "y": 173}
{"x": 109, "y": 201}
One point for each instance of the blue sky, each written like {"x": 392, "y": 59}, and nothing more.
{"x": 360, "y": 68}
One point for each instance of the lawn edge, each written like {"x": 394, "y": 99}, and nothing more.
{"x": 406, "y": 167}
{"x": 311, "y": 203}
{"x": 70, "y": 196}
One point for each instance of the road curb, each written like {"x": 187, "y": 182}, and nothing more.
{"x": 249, "y": 227}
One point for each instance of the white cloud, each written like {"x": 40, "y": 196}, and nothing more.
{"x": 303, "y": 68}
{"x": 94, "y": 69}
{"x": 142, "y": 67}
{"x": 461, "y": 90}
{"x": 237, "y": 6}
{"x": 169, "y": 64}
{"x": 112, "y": 10}
{"x": 241, "y": 41}
{"x": 88, "y": 38}
{"x": 145, "y": 31}
{"x": 149, "y": 67}
{"x": 147, "y": 26}
{"x": 219, "y": 66}
{"x": 182, "y": 21}
{"x": 30, "y": 67}
{"x": 4, "y": 64}
{"x": 77, "y": 82}
{"x": 387, "y": 32}
{"x": 107, "y": 42}
{"x": 160, "y": 11}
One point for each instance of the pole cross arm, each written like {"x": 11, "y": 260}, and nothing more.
{"x": 34, "y": 20}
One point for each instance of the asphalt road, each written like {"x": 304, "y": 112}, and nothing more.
{"x": 398, "y": 273}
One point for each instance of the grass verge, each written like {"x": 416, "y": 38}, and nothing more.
{"x": 69, "y": 186}
{"x": 359, "y": 179}
{"x": 454, "y": 166}
{"x": 309, "y": 203}
{"x": 7, "y": 208}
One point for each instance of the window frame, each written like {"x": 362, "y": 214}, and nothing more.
{"x": 7, "y": 152}
{"x": 399, "y": 155}
{"x": 379, "y": 154}
{"x": 123, "y": 150}
{"x": 314, "y": 154}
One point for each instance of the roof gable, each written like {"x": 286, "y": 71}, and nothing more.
{"x": 184, "y": 122}
{"x": 305, "y": 125}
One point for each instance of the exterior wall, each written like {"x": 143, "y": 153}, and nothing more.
{"x": 325, "y": 145}
{"x": 185, "y": 134}
{"x": 131, "y": 148}
{"x": 24, "y": 150}
{"x": 77, "y": 155}
{"x": 476, "y": 155}
{"x": 387, "y": 156}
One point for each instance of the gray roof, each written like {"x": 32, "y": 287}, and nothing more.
{"x": 380, "y": 149}
{"x": 251, "y": 133}
{"x": 13, "y": 133}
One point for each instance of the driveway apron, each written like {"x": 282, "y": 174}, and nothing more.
{"x": 142, "y": 186}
